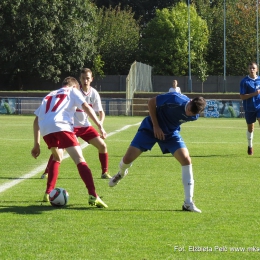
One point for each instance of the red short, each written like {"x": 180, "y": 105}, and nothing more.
{"x": 86, "y": 133}
{"x": 61, "y": 140}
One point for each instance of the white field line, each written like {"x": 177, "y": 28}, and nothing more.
{"x": 40, "y": 168}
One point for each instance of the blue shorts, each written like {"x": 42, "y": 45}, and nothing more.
{"x": 252, "y": 116}
{"x": 144, "y": 140}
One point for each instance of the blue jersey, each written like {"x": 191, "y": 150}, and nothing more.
{"x": 170, "y": 112}
{"x": 247, "y": 86}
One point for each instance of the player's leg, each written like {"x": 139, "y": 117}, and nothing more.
{"x": 102, "y": 154}
{"x": 250, "y": 136}
{"x": 45, "y": 174}
{"x": 250, "y": 120}
{"x": 52, "y": 141}
{"x": 57, "y": 155}
{"x": 91, "y": 136}
{"x": 143, "y": 141}
{"x": 131, "y": 154}
{"x": 75, "y": 153}
{"x": 182, "y": 155}
{"x": 176, "y": 146}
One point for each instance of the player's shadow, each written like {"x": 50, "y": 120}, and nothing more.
{"x": 40, "y": 209}
{"x": 37, "y": 178}
{"x": 17, "y": 178}
{"x": 37, "y": 209}
{"x": 214, "y": 155}
{"x": 25, "y": 210}
{"x": 192, "y": 156}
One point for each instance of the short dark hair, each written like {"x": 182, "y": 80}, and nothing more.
{"x": 252, "y": 63}
{"x": 198, "y": 104}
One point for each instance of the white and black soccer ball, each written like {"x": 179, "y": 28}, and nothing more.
{"x": 59, "y": 197}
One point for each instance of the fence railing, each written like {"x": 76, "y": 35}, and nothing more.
{"x": 119, "y": 106}
{"x": 27, "y": 105}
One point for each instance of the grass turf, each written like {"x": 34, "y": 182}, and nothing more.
{"x": 144, "y": 219}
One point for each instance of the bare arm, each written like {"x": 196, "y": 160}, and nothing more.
{"x": 35, "y": 152}
{"x": 101, "y": 116}
{"x": 158, "y": 133}
{"x": 247, "y": 96}
{"x": 91, "y": 113}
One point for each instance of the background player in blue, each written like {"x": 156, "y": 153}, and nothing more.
{"x": 250, "y": 94}
{"x": 167, "y": 112}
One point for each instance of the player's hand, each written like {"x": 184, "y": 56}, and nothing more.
{"x": 103, "y": 133}
{"x": 35, "y": 152}
{"x": 158, "y": 133}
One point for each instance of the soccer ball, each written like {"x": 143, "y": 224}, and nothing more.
{"x": 59, "y": 197}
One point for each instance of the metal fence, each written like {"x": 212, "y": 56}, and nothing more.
{"x": 119, "y": 106}
{"x": 27, "y": 105}
{"x": 117, "y": 83}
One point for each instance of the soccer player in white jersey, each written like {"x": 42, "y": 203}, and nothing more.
{"x": 54, "y": 121}
{"x": 167, "y": 112}
{"x": 250, "y": 94}
{"x": 82, "y": 125}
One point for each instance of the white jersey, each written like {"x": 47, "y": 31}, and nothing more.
{"x": 92, "y": 97}
{"x": 55, "y": 114}
{"x": 177, "y": 89}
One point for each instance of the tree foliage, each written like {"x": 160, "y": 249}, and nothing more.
{"x": 144, "y": 10}
{"x": 118, "y": 39}
{"x": 241, "y": 36}
{"x": 46, "y": 38}
{"x": 240, "y": 24}
{"x": 165, "y": 41}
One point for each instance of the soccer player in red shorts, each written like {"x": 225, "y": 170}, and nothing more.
{"x": 54, "y": 121}
{"x": 82, "y": 125}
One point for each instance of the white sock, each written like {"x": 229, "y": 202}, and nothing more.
{"x": 188, "y": 182}
{"x": 250, "y": 138}
{"x": 123, "y": 168}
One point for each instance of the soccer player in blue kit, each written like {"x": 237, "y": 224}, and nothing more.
{"x": 250, "y": 94}
{"x": 166, "y": 113}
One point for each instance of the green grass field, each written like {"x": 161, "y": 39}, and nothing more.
{"x": 144, "y": 220}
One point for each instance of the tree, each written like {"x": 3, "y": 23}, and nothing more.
{"x": 201, "y": 72}
{"x": 118, "y": 39}
{"x": 241, "y": 36}
{"x": 165, "y": 41}
{"x": 144, "y": 10}
{"x": 44, "y": 38}
{"x": 213, "y": 14}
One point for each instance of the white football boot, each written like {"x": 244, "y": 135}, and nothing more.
{"x": 190, "y": 207}
{"x": 117, "y": 178}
